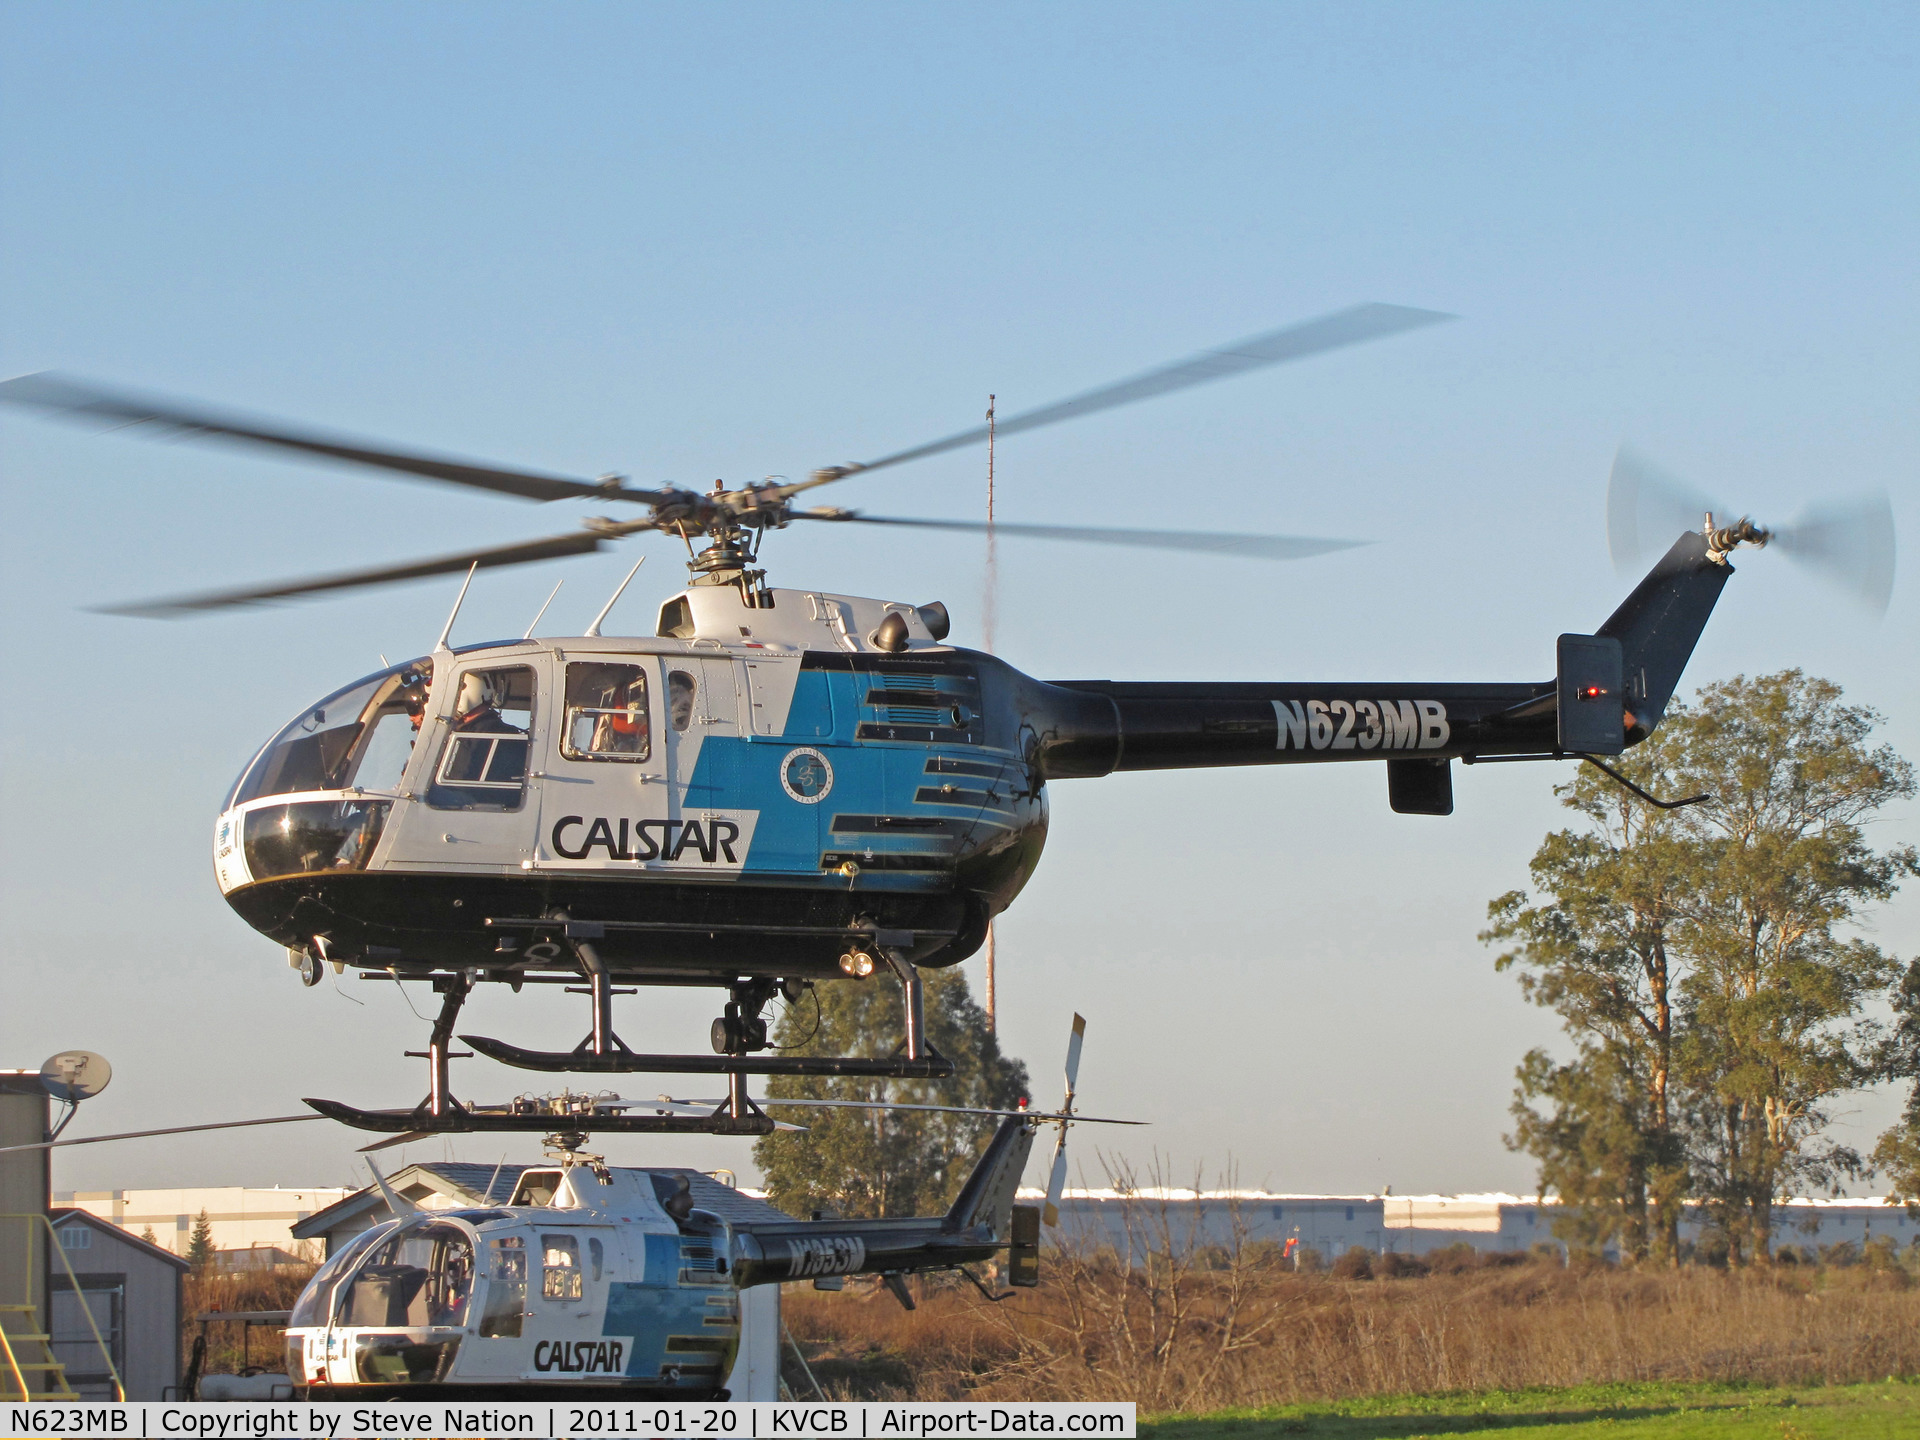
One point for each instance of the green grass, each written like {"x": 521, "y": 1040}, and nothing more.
{"x": 1887, "y": 1409}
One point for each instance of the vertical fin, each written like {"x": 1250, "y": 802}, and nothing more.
{"x": 1659, "y": 624}
{"x": 987, "y": 1197}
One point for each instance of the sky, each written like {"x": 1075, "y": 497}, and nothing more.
{"x": 685, "y": 242}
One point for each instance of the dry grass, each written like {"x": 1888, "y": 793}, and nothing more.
{"x": 246, "y": 1290}
{"x": 1184, "y": 1338}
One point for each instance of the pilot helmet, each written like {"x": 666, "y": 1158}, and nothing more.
{"x": 476, "y": 693}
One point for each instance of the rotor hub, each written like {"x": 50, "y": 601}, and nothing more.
{"x": 1723, "y": 540}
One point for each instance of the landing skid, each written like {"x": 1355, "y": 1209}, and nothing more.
{"x": 626, "y": 1062}
{"x": 737, "y": 1035}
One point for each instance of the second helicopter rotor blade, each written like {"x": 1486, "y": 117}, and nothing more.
{"x": 169, "y": 1130}
{"x": 1252, "y": 547}
{"x": 579, "y": 542}
{"x": 943, "y": 1109}
{"x": 1352, "y": 326}
{"x": 189, "y": 420}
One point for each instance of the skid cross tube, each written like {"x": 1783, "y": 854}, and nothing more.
{"x": 913, "y": 1006}
{"x": 600, "y": 1037}
{"x": 453, "y": 992}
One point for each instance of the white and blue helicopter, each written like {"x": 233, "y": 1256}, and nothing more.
{"x": 781, "y": 786}
{"x": 595, "y": 1282}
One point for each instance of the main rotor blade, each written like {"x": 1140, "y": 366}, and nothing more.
{"x": 170, "y": 1130}
{"x": 1251, "y": 547}
{"x": 1848, "y": 543}
{"x": 187, "y": 420}
{"x": 579, "y": 542}
{"x": 1352, "y": 326}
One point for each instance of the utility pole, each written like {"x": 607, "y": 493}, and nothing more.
{"x": 989, "y": 618}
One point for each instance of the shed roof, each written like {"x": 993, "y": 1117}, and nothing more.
{"x": 63, "y": 1217}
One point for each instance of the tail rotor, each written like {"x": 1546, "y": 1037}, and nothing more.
{"x": 1847, "y": 543}
{"x": 1057, "y": 1177}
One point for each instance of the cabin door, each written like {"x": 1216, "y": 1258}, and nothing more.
{"x": 712, "y": 824}
{"x": 603, "y": 790}
{"x": 468, "y": 805}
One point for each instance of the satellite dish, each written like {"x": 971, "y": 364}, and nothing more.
{"x": 75, "y": 1075}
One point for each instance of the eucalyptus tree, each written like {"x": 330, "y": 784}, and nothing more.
{"x": 871, "y": 1163}
{"x": 1707, "y": 967}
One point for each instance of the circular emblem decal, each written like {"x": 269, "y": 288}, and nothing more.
{"x": 806, "y": 775}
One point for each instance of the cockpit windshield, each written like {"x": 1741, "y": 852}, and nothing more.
{"x": 312, "y": 1306}
{"x": 357, "y": 737}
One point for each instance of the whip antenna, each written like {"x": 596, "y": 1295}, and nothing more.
{"x": 454, "y": 614}
{"x": 543, "y": 609}
{"x": 988, "y": 617}
{"x": 614, "y": 599}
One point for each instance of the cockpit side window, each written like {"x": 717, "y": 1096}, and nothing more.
{"x": 607, "y": 715}
{"x": 483, "y": 765}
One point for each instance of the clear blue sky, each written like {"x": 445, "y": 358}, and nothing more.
{"x": 690, "y": 241}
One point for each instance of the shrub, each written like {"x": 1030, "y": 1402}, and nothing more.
{"x": 1356, "y": 1264}
{"x": 1394, "y": 1266}
{"x": 1455, "y": 1259}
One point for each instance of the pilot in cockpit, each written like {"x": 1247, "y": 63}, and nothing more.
{"x": 476, "y": 709}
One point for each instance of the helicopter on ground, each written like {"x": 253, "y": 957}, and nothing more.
{"x": 591, "y": 1281}
{"x": 783, "y": 786}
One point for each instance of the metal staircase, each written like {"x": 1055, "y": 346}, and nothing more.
{"x": 14, "y": 1382}
{"x": 18, "y": 1369}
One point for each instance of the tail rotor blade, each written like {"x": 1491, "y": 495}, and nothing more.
{"x": 1646, "y": 508}
{"x": 1074, "y": 1042}
{"x": 1057, "y": 1180}
{"x": 1849, "y": 544}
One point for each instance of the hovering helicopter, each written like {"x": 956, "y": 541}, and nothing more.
{"x": 778, "y": 786}
{"x": 597, "y": 1282}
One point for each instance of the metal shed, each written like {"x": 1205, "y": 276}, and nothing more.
{"x": 132, "y": 1290}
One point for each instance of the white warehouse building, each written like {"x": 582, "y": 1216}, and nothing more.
{"x": 248, "y": 1224}
{"x": 1412, "y": 1224}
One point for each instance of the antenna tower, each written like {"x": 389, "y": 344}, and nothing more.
{"x": 989, "y": 617}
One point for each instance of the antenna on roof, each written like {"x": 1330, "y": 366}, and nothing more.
{"x": 542, "y": 610}
{"x": 458, "y": 601}
{"x": 594, "y": 628}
